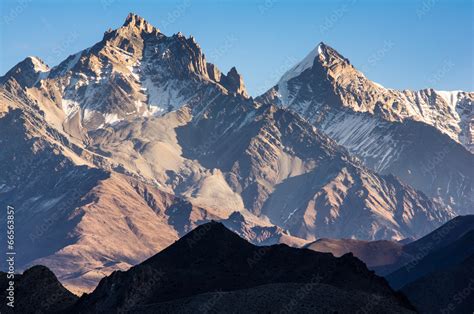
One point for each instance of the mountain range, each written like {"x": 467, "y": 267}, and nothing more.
{"x": 210, "y": 268}
{"x": 424, "y": 137}
{"x": 124, "y": 147}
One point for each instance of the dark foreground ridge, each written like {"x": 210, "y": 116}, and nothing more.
{"x": 446, "y": 247}
{"x": 435, "y": 272}
{"x": 446, "y": 291}
{"x": 213, "y": 268}
{"x": 37, "y": 290}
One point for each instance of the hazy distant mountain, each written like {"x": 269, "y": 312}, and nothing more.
{"x": 403, "y": 263}
{"x": 375, "y": 254}
{"x": 127, "y": 145}
{"x": 417, "y": 136}
{"x": 212, "y": 267}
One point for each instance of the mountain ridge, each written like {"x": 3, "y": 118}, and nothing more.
{"x": 421, "y": 137}
{"x": 142, "y": 134}
{"x": 235, "y": 263}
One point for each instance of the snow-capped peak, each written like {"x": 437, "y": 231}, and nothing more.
{"x": 27, "y": 72}
{"x": 320, "y": 49}
{"x": 321, "y": 52}
{"x": 305, "y": 64}
{"x": 38, "y": 64}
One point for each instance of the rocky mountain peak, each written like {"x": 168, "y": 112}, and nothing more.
{"x": 136, "y": 22}
{"x": 329, "y": 55}
{"x": 324, "y": 55}
{"x": 27, "y": 72}
{"x": 234, "y": 82}
{"x": 38, "y": 64}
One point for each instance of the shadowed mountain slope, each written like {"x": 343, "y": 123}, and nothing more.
{"x": 37, "y": 290}
{"x": 211, "y": 259}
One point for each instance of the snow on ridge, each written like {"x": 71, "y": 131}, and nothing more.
{"x": 111, "y": 118}
{"x": 378, "y": 85}
{"x": 38, "y": 65}
{"x": 450, "y": 97}
{"x": 73, "y": 62}
{"x": 320, "y": 49}
{"x": 295, "y": 71}
{"x": 305, "y": 64}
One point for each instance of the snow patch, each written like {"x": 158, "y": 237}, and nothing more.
{"x": 164, "y": 97}
{"x": 295, "y": 71}
{"x": 69, "y": 106}
{"x": 73, "y": 62}
{"x": 38, "y": 66}
{"x": 133, "y": 72}
{"x": 111, "y": 118}
{"x": 305, "y": 64}
{"x": 450, "y": 97}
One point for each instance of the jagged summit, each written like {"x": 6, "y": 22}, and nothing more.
{"x": 322, "y": 48}
{"x": 135, "y": 21}
{"x": 329, "y": 55}
{"x": 323, "y": 54}
{"x": 134, "y": 71}
{"x": 38, "y": 64}
{"x": 234, "y": 82}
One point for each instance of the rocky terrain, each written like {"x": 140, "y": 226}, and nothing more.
{"x": 434, "y": 272}
{"x": 276, "y": 298}
{"x": 125, "y": 146}
{"x": 422, "y": 137}
{"x": 211, "y": 269}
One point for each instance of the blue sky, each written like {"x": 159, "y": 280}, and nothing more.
{"x": 399, "y": 44}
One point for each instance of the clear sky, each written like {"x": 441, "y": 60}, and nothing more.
{"x": 400, "y": 44}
